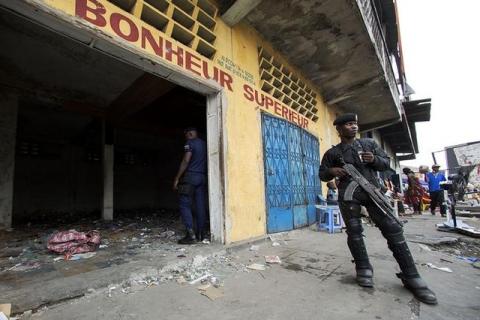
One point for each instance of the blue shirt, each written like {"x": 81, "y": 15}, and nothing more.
{"x": 434, "y": 180}
{"x": 198, "y": 162}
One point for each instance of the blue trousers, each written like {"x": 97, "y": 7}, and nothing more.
{"x": 198, "y": 181}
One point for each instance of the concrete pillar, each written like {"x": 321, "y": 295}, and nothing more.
{"x": 8, "y": 135}
{"x": 107, "y": 162}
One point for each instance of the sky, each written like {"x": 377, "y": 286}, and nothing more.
{"x": 441, "y": 53}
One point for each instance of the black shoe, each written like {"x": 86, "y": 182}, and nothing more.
{"x": 364, "y": 278}
{"x": 189, "y": 238}
{"x": 419, "y": 289}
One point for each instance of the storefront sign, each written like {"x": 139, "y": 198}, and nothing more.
{"x": 149, "y": 39}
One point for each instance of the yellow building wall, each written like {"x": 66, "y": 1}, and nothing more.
{"x": 237, "y": 48}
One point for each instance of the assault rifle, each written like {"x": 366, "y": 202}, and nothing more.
{"x": 380, "y": 200}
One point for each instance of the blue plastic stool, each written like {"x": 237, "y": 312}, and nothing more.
{"x": 329, "y": 218}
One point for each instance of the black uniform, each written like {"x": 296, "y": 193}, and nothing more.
{"x": 351, "y": 198}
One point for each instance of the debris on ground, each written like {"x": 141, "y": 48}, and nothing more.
{"x": 212, "y": 293}
{"x": 476, "y": 264}
{"x": 72, "y": 242}
{"x": 25, "y": 266}
{"x": 424, "y": 247}
{"x": 254, "y": 248}
{"x": 205, "y": 276}
{"x": 80, "y": 256}
{"x": 460, "y": 227}
{"x": 5, "y": 310}
{"x": 279, "y": 237}
{"x": 433, "y": 240}
{"x": 204, "y": 287}
{"x": 444, "y": 269}
{"x": 205, "y": 270}
{"x": 468, "y": 259}
{"x": 181, "y": 280}
{"x": 257, "y": 266}
{"x": 273, "y": 259}
{"x": 463, "y": 247}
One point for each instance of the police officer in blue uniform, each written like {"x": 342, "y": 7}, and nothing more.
{"x": 191, "y": 181}
{"x": 368, "y": 158}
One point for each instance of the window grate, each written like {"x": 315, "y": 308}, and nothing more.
{"x": 191, "y": 22}
{"x": 280, "y": 81}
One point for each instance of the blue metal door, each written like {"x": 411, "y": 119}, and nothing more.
{"x": 277, "y": 176}
{"x": 312, "y": 181}
{"x": 297, "y": 176}
{"x": 291, "y": 174}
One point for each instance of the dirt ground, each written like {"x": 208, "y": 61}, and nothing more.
{"x": 314, "y": 279}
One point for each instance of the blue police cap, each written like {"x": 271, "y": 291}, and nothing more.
{"x": 187, "y": 129}
{"x": 344, "y": 118}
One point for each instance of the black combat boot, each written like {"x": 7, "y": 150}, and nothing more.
{"x": 410, "y": 277}
{"x": 363, "y": 267}
{"x": 357, "y": 247}
{"x": 200, "y": 235}
{"x": 189, "y": 237}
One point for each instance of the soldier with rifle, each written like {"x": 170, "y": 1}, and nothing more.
{"x": 355, "y": 163}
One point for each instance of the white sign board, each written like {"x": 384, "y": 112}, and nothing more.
{"x": 469, "y": 155}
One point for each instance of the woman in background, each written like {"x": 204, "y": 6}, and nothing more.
{"x": 414, "y": 192}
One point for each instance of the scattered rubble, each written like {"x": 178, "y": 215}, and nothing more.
{"x": 278, "y": 238}
{"x": 5, "y": 310}
{"x": 25, "y": 266}
{"x": 273, "y": 259}
{"x": 257, "y": 266}
{"x": 433, "y": 241}
{"x": 212, "y": 293}
{"x": 431, "y": 265}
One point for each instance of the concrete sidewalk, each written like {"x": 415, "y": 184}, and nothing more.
{"x": 314, "y": 280}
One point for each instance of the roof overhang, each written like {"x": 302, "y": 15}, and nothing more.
{"x": 402, "y": 136}
{"x": 338, "y": 45}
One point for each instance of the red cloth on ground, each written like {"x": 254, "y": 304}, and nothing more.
{"x": 73, "y": 242}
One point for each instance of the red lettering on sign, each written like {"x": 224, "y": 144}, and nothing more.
{"x": 285, "y": 112}
{"x": 205, "y": 71}
{"x": 305, "y": 122}
{"x": 262, "y": 101}
{"x": 226, "y": 80}
{"x": 116, "y": 19}
{"x": 193, "y": 61}
{"x": 82, "y": 10}
{"x": 268, "y": 102}
{"x": 294, "y": 116}
{"x": 170, "y": 52}
{"x": 147, "y": 36}
{"x": 278, "y": 108}
{"x": 248, "y": 92}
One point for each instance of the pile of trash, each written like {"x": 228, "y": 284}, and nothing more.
{"x": 72, "y": 242}
{"x": 206, "y": 271}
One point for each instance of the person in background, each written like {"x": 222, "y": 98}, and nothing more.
{"x": 436, "y": 193}
{"x": 332, "y": 197}
{"x": 414, "y": 192}
{"x": 191, "y": 181}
